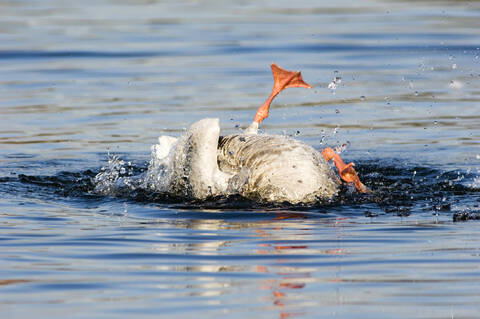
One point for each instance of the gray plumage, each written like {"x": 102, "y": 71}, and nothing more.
{"x": 268, "y": 168}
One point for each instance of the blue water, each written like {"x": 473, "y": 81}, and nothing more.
{"x": 86, "y": 84}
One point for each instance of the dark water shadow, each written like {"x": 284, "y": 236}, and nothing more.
{"x": 396, "y": 189}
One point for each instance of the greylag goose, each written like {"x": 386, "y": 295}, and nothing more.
{"x": 262, "y": 167}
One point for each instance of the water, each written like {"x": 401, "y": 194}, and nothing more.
{"x": 79, "y": 80}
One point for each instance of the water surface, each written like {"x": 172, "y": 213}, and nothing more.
{"x": 79, "y": 80}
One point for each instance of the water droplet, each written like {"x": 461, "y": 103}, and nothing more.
{"x": 454, "y": 84}
{"x": 336, "y": 80}
{"x": 341, "y": 148}
{"x": 332, "y": 86}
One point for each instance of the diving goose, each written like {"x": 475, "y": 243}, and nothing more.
{"x": 262, "y": 167}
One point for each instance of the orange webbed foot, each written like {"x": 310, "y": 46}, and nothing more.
{"x": 282, "y": 79}
{"x": 346, "y": 171}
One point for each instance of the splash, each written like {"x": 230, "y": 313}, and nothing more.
{"x": 325, "y": 135}
{"x": 399, "y": 190}
{"x": 337, "y": 79}
{"x": 159, "y": 173}
{"x": 475, "y": 183}
{"x": 189, "y": 167}
{"x": 341, "y": 148}
{"x": 116, "y": 177}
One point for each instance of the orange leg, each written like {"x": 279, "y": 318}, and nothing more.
{"x": 346, "y": 171}
{"x": 282, "y": 79}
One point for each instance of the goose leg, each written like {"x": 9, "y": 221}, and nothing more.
{"x": 346, "y": 171}
{"x": 282, "y": 79}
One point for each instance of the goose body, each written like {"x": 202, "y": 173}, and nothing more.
{"x": 277, "y": 168}
{"x": 267, "y": 168}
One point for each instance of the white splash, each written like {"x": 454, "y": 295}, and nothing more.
{"x": 115, "y": 177}
{"x": 455, "y": 84}
{"x": 159, "y": 171}
{"x": 475, "y": 183}
{"x": 332, "y": 86}
{"x": 194, "y": 166}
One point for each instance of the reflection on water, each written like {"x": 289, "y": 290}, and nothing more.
{"x": 295, "y": 266}
{"x": 81, "y": 79}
